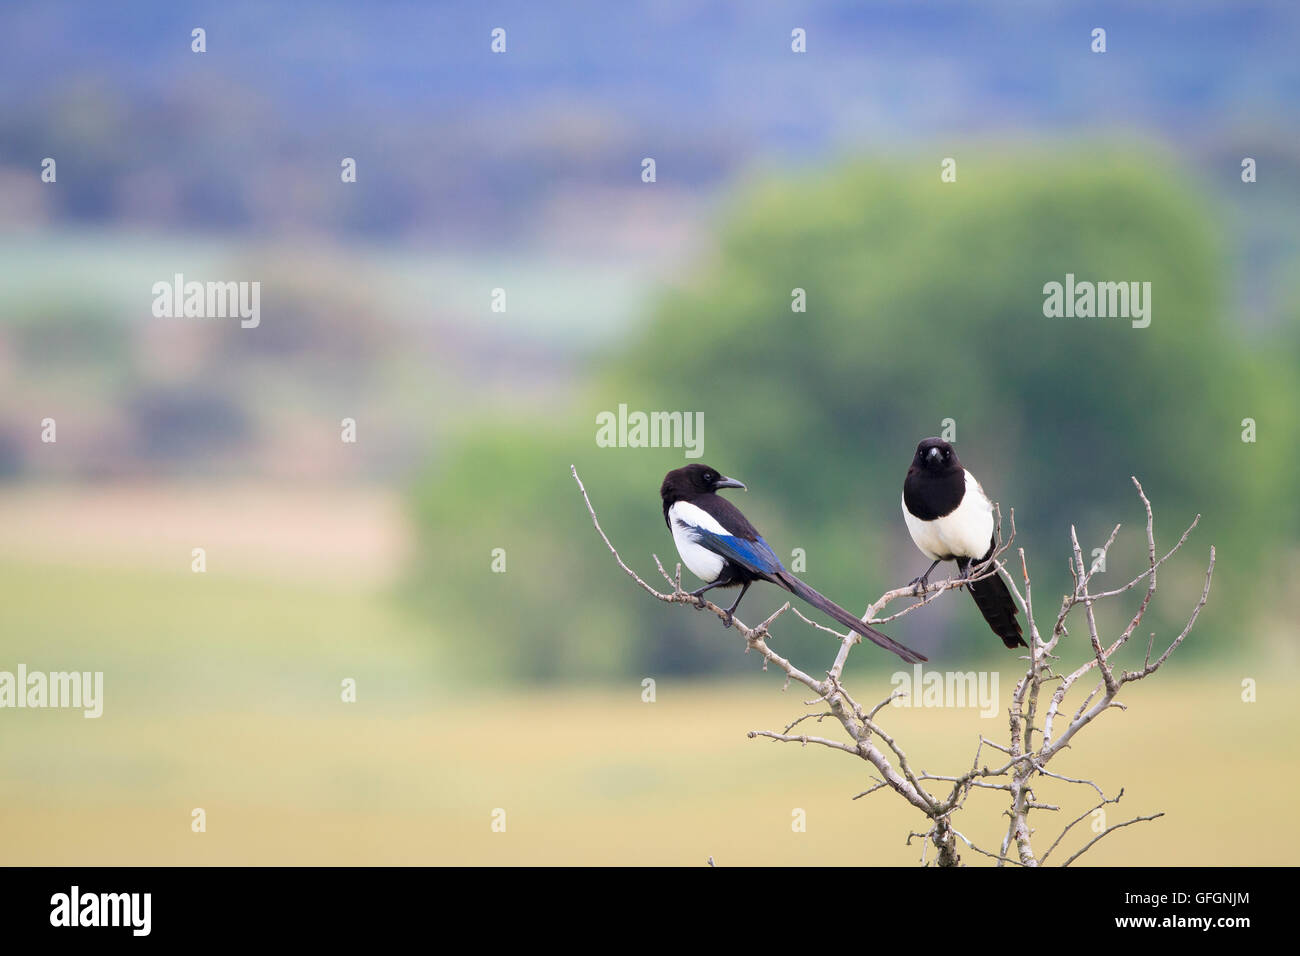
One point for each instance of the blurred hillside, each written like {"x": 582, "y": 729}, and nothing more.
{"x": 396, "y": 339}
{"x": 461, "y": 146}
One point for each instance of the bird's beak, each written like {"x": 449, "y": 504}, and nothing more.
{"x": 933, "y": 453}
{"x": 732, "y": 483}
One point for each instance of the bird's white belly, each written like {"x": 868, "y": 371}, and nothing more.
{"x": 703, "y": 563}
{"x": 965, "y": 533}
{"x": 926, "y": 536}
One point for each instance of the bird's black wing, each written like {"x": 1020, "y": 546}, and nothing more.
{"x": 742, "y": 544}
{"x": 754, "y": 556}
{"x": 727, "y": 515}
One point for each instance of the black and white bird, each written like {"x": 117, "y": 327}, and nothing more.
{"x": 951, "y": 519}
{"x": 723, "y": 549}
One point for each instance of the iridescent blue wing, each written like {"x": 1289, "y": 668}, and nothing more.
{"x": 754, "y": 555}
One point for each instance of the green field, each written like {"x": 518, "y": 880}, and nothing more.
{"x": 223, "y": 693}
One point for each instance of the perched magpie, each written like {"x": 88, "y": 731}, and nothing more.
{"x": 722, "y": 549}
{"x": 950, "y": 518}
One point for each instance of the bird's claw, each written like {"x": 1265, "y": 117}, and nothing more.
{"x": 726, "y": 619}
{"x": 918, "y": 586}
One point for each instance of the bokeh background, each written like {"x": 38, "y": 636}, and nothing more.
{"x": 522, "y": 690}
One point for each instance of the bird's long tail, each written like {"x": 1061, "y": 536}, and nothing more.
{"x": 993, "y": 598}
{"x": 826, "y": 606}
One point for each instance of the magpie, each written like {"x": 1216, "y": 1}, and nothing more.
{"x": 723, "y": 549}
{"x": 951, "y": 519}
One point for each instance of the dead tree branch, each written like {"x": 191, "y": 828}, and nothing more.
{"x": 1031, "y": 743}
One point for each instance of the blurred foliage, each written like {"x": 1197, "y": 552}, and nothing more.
{"x": 925, "y": 302}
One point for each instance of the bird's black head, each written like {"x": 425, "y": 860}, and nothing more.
{"x": 934, "y": 456}
{"x": 683, "y": 484}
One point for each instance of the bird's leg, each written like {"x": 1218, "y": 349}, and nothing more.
{"x": 920, "y": 584}
{"x": 698, "y": 592}
{"x": 964, "y": 566}
{"x": 726, "y": 621}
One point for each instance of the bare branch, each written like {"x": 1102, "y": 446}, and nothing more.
{"x": 802, "y": 739}
{"x": 1108, "y": 831}
{"x": 1029, "y": 748}
{"x": 612, "y": 550}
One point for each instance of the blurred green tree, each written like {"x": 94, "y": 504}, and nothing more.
{"x": 924, "y": 303}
